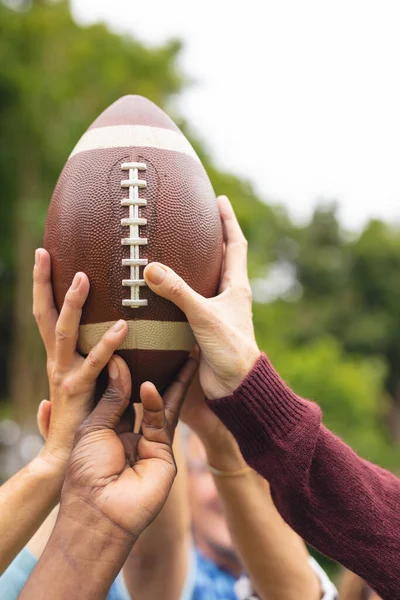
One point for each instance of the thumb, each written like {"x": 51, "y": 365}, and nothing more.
{"x": 166, "y": 283}
{"x": 114, "y": 401}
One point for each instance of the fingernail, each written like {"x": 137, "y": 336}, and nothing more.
{"x": 37, "y": 257}
{"x": 118, "y": 325}
{"x": 113, "y": 370}
{"x": 75, "y": 282}
{"x": 155, "y": 273}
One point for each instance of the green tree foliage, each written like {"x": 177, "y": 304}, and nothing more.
{"x": 349, "y": 391}
{"x": 332, "y": 331}
{"x": 55, "y": 78}
{"x": 326, "y": 307}
{"x": 351, "y": 291}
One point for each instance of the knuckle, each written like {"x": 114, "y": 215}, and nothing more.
{"x": 115, "y": 396}
{"x": 176, "y": 287}
{"x": 155, "y": 419}
{"x": 70, "y": 301}
{"x": 61, "y": 334}
{"x": 173, "y": 414}
{"x": 68, "y": 386}
{"x": 154, "y": 424}
{"x": 56, "y": 377}
{"x": 228, "y": 280}
{"x": 108, "y": 343}
{"x": 93, "y": 359}
{"x": 245, "y": 292}
{"x": 241, "y": 244}
{"x": 38, "y": 315}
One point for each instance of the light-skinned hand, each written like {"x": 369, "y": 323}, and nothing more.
{"x": 72, "y": 378}
{"x": 223, "y": 325}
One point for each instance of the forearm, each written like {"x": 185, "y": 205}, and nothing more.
{"x": 342, "y": 505}
{"x": 158, "y": 563}
{"x": 40, "y": 538}
{"x": 275, "y": 558}
{"x": 26, "y": 499}
{"x": 80, "y": 544}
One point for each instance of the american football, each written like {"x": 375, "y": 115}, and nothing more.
{"x": 134, "y": 191}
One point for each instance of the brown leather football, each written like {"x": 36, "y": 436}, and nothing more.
{"x": 134, "y": 191}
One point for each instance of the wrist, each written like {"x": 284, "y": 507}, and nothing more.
{"x": 213, "y": 433}
{"x": 83, "y": 514}
{"x": 52, "y": 462}
{"x": 57, "y": 453}
{"x": 249, "y": 357}
{"x": 50, "y": 473}
{"x": 82, "y": 541}
{"x": 224, "y": 454}
{"x": 85, "y": 534}
{"x": 239, "y": 365}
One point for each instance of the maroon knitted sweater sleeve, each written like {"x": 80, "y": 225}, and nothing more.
{"x": 342, "y": 505}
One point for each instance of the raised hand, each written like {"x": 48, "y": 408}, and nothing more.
{"x": 222, "y": 325}
{"x": 115, "y": 485}
{"x": 126, "y": 476}
{"x": 72, "y": 378}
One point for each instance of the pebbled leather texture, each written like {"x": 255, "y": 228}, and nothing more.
{"x": 84, "y": 231}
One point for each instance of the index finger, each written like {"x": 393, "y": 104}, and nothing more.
{"x": 175, "y": 394}
{"x": 44, "y": 310}
{"x": 235, "y": 258}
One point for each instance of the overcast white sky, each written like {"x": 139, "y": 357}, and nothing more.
{"x": 301, "y": 97}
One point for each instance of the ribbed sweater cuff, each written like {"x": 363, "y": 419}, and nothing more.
{"x": 262, "y": 410}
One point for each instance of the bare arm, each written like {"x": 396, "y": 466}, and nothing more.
{"x": 158, "y": 563}
{"x": 341, "y": 504}
{"x": 30, "y": 494}
{"x": 38, "y": 541}
{"x": 150, "y": 571}
{"x": 274, "y": 556}
{"x": 108, "y": 499}
{"x": 80, "y": 544}
{"x": 35, "y": 490}
{"x": 344, "y": 506}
